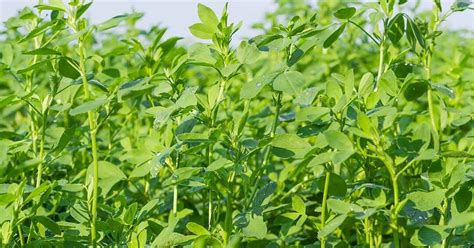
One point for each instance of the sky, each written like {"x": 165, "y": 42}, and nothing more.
{"x": 178, "y": 15}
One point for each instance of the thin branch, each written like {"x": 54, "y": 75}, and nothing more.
{"x": 367, "y": 33}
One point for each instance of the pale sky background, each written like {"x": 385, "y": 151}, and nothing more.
{"x": 178, "y": 15}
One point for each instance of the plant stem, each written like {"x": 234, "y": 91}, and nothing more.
{"x": 259, "y": 171}
{"x": 381, "y": 69}
{"x": 20, "y": 236}
{"x": 33, "y": 127}
{"x": 324, "y": 204}
{"x": 272, "y": 132}
{"x": 175, "y": 199}
{"x": 41, "y": 152}
{"x": 213, "y": 117}
{"x": 175, "y": 189}
{"x": 228, "y": 214}
{"x": 209, "y": 211}
{"x": 396, "y": 196}
{"x": 367, "y": 33}
{"x": 429, "y": 58}
{"x": 92, "y": 127}
{"x": 215, "y": 108}
{"x": 444, "y": 220}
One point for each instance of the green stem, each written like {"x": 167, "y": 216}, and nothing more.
{"x": 41, "y": 152}
{"x": 366, "y": 230}
{"x": 272, "y": 133}
{"x": 363, "y": 30}
{"x": 429, "y": 58}
{"x": 381, "y": 69}
{"x": 175, "y": 199}
{"x": 396, "y": 199}
{"x": 213, "y": 117}
{"x": 20, "y": 236}
{"x": 229, "y": 210}
{"x": 220, "y": 95}
{"x": 255, "y": 179}
{"x": 444, "y": 220}
{"x": 435, "y": 132}
{"x": 209, "y": 211}
{"x": 175, "y": 188}
{"x": 93, "y": 130}
{"x": 324, "y": 205}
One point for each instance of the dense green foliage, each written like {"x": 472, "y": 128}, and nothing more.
{"x": 341, "y": 125}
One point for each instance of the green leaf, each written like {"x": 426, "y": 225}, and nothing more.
{"x": 462, "y": 200}
{"x": 295, "y": 57}
{"x": 345, "y": 13}
{"x": 256, "y": 227}
{"x": 456, "y": 176}
{"x": 88, "y": 106}
{"x": 429, "y": 154}
{"x": 218, "y": 164}
{"x": 414, "y": 34}
{"x": 389, "y": 83}
{"x": 291, "y": 82}
{"x": 38, "y": 30}
{"x": 167, "y": 236}
{"x": 322, "y": 158}
{"x": 461, "y": 5}
{"x": 109, "y": 175}
{"x": 201, "y": 53}
{"x": 416, "y": 89}
{"x": 341, "y": 156}
{"x": 6, "y": 199}
{"x": 396, "y": 28}
{"x": 147, "y": 209}
{"x": 187, "y": 98}
{"x": 57, "y": 5}
{"x": 130, "y": 213}
{"x": 207, "y": 15}
{"x": 197, "y": 229}
{"x": 98, "y": 84}
{"x": 334, "y": 36}
{"x": 338, "y": 140}
{"x": 82, "y": 9}
{"x": 298, "y": 205}
{"x": 337, "y": 185}
{"x": 48, "y": 223}
{"x": 111, "y": 72}
{"x": 43, "y": 51}
{"x": 402, "y": 70}
{"x": 7, "y": 54}
{"x": 331, "y": 226}
{"x": 36, "y": 66}
{"x": 432, "y": 235}
{"x": 349, "y": 83}
{"x": 262, "y": 197}
{"x": 140, "y": 171}
{"x": 462, "y": 219}
{"x": 193, "y": 137}
{"x": 443, "y": 89}
{"x": 247, "y": 53}
{"x": 116, "y": 20}
{"x": 342, "y": 207}
{"x": 425, "y": 201}
{"x": 290, "y": 145}
{"x": 68, "y": 68}
{"x": 202, "y": 31}
{"x": 306, "y": 97}
{"x": 366, "y": 84}
{"x": 39, "y": 191}
{"x": 438, "y": 5}
{"x": 251, "y": 88}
